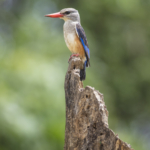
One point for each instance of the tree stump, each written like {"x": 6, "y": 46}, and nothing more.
{"x": 87, "y": 116}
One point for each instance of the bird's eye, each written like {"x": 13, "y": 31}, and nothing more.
{"x": 67, "y": 12}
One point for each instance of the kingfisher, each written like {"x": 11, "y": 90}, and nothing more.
{"x": 74, "y": 36}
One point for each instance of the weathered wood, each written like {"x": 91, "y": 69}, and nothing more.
{"x": 87, "y": 116}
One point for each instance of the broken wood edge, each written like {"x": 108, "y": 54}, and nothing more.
{"x": 87, "y": 116}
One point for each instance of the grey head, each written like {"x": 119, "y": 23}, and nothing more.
{"x": 70, "y": 14}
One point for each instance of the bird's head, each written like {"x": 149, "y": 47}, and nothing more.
{"x": 66, "y": 14}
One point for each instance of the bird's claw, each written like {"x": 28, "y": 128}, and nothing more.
{"x": 76, "y": 55}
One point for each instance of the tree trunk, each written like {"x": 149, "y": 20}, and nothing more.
{"x": 87, "y": 116}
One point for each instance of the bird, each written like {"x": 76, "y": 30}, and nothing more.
{"x": 74, "y": 36}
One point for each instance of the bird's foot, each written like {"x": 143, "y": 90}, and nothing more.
{"x": 76, "y": 55}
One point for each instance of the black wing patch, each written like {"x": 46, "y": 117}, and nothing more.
{"x": 83, "y": 39}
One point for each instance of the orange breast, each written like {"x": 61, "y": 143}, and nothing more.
{"x": 78, "y": 48}
{"x": 74, "y": 45}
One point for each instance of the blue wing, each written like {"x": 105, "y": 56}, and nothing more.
{"x": 82, "y": 37}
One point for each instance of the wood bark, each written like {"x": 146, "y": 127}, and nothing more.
{"x": 87, "y": 116}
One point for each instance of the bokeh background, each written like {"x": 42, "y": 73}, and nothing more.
{"x": 34, "y": 61}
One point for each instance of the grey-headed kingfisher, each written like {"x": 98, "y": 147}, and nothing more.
{"x": 75, "y": 37}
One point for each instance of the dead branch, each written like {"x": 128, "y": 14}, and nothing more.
{"x": 87, "y": 116}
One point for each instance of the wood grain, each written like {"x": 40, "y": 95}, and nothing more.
{"x": 87, "y": 116}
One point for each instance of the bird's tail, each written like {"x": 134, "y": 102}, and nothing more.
{"x": 83, "y": 72}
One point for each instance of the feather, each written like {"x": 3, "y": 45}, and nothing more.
{"x": 81, "y": 34}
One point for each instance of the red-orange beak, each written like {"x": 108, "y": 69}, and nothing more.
{"x": 55, "y": 15}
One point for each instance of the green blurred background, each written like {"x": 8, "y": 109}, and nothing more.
{"x": 34, "y": 61}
